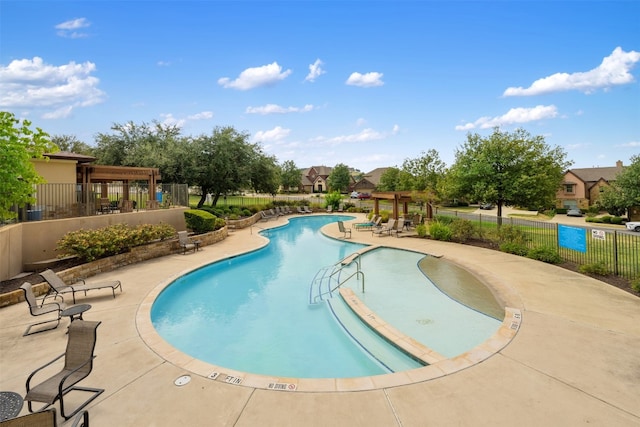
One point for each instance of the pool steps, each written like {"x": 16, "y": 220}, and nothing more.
{"x": 390, "y": 358}
{"x": 406, "y": 344}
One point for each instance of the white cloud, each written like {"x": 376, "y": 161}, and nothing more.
{"x": 60, "y": 113}
{"x": 364, "y": 135}
{"x": 631, "y": 144}
{"x": 361, "y": 122}
{"x": 613, "y": 71}
{"x": 365, "y": 80}
{"x": 277, "y": 109}
{"x": 68, "y": 28}
{"x": 515, "y": 115}
{"x": 163, "y": 63}
{"x": 267, "y": 75}
{"x": 315, "y": 71}
{"x": 169, "y": 120}
{"x": 276, "y": 134}
{"x": 30, "y": 83}
{"x": 396, "y": 129}
{"x": 204, "y": 115}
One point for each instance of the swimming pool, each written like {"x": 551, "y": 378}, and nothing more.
{"x": 251, "y": 313}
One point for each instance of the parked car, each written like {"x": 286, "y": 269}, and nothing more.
{"x": 364, "y": 196}
{"x": 486, "y": 206}
{"x": 354, "y": 195}
{"x": 574, "y": 212}
{"x": 634, "y": 226}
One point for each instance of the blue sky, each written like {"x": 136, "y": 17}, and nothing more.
{"x": 368, "y": 84}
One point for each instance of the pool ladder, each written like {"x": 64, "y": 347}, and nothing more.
{"x": 329, "y": 279}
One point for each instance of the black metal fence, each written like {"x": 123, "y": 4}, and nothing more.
{"x": 617, "y": 250}
{"x": 54, "y": 201}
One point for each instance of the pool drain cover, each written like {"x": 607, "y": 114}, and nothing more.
{"x": 182, "y": 380}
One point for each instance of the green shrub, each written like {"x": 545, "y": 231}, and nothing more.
{"x": 561, "y": 210}
{"x": 421, "y": 229}
{"x": 594, "y": 220}
{"x": 545, "y": 254}
{"x": 333, "y": 199}
{"x": 511, "y": 234}
{"x": 444, "y": 219}
{"x": 514, "y": 248}
{"x": 599, "y": 268}
{"x": 89, "y": 245}
{"x": 616, "y": 220}
{"x": 199, "y": 221}
{"x": 440, "y": 231}
{"x": 635, "y": 284}
{"x": 606, "y": 219}
{"x": 462, "y": 229}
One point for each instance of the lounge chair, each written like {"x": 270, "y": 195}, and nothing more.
{"x": 57, "y": 285}
{"x": 78, "y": 363}
{"x": 287, "y": 210}
{"x": 307, "y": 210}
{"x": 344, "y": 230}
{"x": 45, "y": 418}
{"x": 300, "y": 210}
{"x": 330, "y": 209}
{"x": 374, "y": 223}
{"x": 274, "y": 213}
{"x": 187, "y": 243}
{"x": 340, "y": 207}
{"x": 39, "y": 309}
{"x": 265, "y": 216}
{"x": 400, "y": 224}
{"x": 385, "y": 229}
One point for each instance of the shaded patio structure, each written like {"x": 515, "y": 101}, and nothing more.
{"x": 75, "y": 186}
{"x": 397, "y": 198}
{"x": 99, "y": 174}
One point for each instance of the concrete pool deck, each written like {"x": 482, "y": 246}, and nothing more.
{"x": 575, "y": 359}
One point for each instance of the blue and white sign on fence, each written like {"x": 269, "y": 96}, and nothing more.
{"x": 572, "y": 238}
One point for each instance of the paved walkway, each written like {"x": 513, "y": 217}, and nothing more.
{"x": 574, "y": 361}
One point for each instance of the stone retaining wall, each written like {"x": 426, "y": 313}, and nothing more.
{"x": 137, "y": 254}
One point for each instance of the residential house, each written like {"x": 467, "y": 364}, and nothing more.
{"x": 581, "y": 188}
{"x": 369, "y": 181}
{"x": 314, "y": 179}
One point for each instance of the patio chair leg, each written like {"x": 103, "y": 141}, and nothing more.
{"x": 27, "y": 332}
{"x": 95, "y": 393}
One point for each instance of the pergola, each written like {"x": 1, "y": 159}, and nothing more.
{"x": 92, "y": 174}
{"x": 398, "y": 197}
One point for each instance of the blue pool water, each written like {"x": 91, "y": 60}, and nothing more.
{"x": 251, "y": 313}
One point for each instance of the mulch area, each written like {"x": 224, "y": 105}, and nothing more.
{"x": 13, "y": 284}
{"x": 617, "y": 281}
{"x": 33, "y": 278}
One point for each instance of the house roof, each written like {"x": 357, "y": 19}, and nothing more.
{"x": 595, "y": 174}
{"x": 374, "y": 176}
{"x": 67, "y": 155}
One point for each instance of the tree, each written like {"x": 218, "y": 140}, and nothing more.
{"x": 339, "y": 178}
{"x": 18, "y": 145}
{"x": 389, "y": 179}
{"x": 72, "y": 144}
{"x": 624, "y": 192}
{"x": 265, "y": 173}
{"x": 221, "y": 163}
{"x": 425, "y": 171}
{"x": 136, "y": 145}
{"x": 290, "y": 175}
{"x": 508, "y": 169}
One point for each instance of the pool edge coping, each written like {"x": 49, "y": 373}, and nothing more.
{"x": 503, "y": 336}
